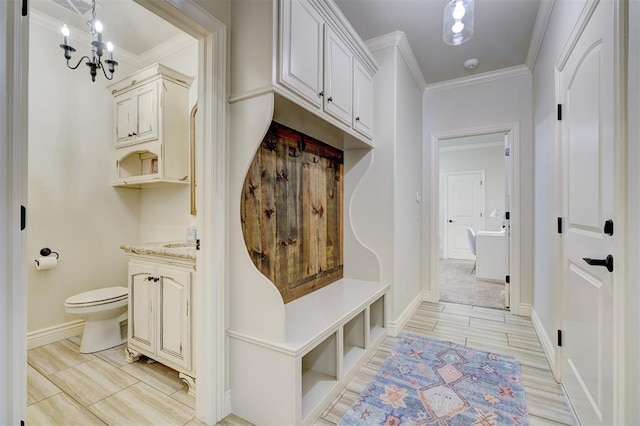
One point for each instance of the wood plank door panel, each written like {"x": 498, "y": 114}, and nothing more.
{"x": 291, "y": 212}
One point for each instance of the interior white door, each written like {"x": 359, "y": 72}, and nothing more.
{"x": 587, "y": 96}
{"x": 507, "y": 222}
{"x": 465, "y": 204}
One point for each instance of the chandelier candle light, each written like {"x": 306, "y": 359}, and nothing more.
{"x": 457, "y": 25}
{"x": 97, "y": 48}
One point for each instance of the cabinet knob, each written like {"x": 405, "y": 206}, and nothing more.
{"x": 357, "y": 118}
{"x": 130, "y": 134}
{"x": 134, "y": 134}
{"x": 330, "y": 99}
{"x": 321, "y": 94}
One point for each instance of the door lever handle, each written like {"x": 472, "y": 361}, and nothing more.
{"x": 608, "y": 262}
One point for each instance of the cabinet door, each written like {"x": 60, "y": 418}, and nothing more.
{"x": 174, "y": 297}
{"x": 124, "y": 118}
{"x": 141, "y": 306}
{"x": 301, "y": 49}
{"x": 338, "y": 82}
{"x": 362, "y": 100}
{"x": 147, "y": 112}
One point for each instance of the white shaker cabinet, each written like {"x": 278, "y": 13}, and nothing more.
{"x": 362, "y": 100}
{"x": 160, "y": 325}
{"x": 302, "y": 50}
{"x": 320, "y": 69}
{"x": 338, "y": 78}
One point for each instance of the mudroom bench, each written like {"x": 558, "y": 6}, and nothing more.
{"x": 329, "y": 335}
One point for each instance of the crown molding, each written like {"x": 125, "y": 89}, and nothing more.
{"x": 485, "y": 77}
{"x": 399, "y": 39}
{"x": 152, "y": 55}
{"x": 173, "y": 45}
{"x": 539, "y": 29}
{"x": 81, "y": 36}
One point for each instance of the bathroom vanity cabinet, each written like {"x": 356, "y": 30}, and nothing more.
{"x": 160, "y": 310}
{"x": 152, "y": 127}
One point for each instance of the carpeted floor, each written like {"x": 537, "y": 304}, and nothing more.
{"x": 459, "y": 285}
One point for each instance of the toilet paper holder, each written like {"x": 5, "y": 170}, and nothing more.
{"x": 47, "y": 252}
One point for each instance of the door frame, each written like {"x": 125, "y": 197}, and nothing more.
{"x": 211, "y": 144}
{"x": 14, "y": 41}
{"x": 513, "y": 129}
{"x": 620, "y": 197}
{"x": 445, "y": 236}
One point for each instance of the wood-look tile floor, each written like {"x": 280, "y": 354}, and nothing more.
{"x": 481, "y": 328}
{"x": 65, "y": 387}
{"x": 69, "y": 388}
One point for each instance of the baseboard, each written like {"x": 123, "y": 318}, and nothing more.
{"x": 525, "y": 310}
{"x": 547, "y": 344}
{"x": 426, "y": 296}
{"x": 53, "y": 334}
{"x": 395, "y": 327}
{"x": 227, "y": 402}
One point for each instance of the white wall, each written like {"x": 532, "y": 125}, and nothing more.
{"x": 73, "y": 208}
{"x": 165, "y": 211}
{"x": 564, "y": 15}
{"x": 489, "y": 159}
{"x": 385, "y": 213}
{"x": 500, "y": 101}
{"x": 408, "y": 182}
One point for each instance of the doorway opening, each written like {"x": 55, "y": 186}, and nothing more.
{"x": 474, "y": 217}
{"x": 210, "y": 49}
{"x": 472, "y": 204}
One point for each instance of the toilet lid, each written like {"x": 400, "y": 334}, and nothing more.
{"x": 101, "y": 295}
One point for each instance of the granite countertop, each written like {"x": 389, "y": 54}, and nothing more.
{"x": 178, "y": 249}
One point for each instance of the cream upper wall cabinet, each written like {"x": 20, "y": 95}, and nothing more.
{"x": 152, "y": 127}
{"x": 137, "y": 114}
{"x": 338, "y": 78}
{"x": 302, "y": 50}
{"x": 362, "y": 100}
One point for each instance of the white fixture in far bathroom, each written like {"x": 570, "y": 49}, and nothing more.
{"x": 103, "y": 310}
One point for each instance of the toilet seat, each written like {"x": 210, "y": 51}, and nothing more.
{"x": 97, "y": 297}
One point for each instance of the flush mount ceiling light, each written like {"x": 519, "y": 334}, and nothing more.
{"x": 97, "y": 48}
{"x": 457, "y": 26}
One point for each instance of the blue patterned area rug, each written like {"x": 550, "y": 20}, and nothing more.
{"x": 432, "y": 382}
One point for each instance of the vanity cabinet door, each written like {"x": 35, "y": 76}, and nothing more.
{"x": 301, "y": 50}
{"x": 141, "y": 305}
{"x": 174, "y": 315}
{"x": 338, "y": 78}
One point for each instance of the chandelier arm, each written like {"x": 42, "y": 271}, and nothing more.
{"x": 79, "y": 62}
{"x": 105, "y": 72}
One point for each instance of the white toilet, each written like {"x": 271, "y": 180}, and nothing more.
{"x": 103, "y": 310}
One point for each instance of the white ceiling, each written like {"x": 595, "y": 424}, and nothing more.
{"x": 126, "y": 24}
{"x": 501, "y": 35}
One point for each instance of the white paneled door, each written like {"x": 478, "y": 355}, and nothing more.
{"x": 586, "y": 92}
{"x": 465, "y": 206}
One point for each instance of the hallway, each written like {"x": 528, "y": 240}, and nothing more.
{"x": 482, "y": 328}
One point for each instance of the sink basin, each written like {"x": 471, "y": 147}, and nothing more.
{"x": 179, "y": 245}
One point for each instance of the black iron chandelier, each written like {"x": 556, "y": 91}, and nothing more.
{"x": 97, "y": 49}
